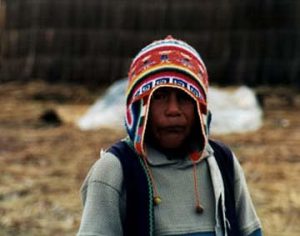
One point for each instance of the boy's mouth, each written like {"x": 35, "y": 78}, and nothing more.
{"x": 173, "y": 129}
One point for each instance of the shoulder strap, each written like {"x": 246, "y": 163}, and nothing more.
{"x": 224, "y": 158}
{"x": 138, "y": 220}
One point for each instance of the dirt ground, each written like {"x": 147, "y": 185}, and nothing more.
{"x": 44, "y": 158}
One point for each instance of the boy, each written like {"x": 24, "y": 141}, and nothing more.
{"x": 167, "y": 177}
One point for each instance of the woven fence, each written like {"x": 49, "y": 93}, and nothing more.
{"x": 253, "y": 42}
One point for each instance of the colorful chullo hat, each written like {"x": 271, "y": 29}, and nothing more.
{"x": 164, "y": 63}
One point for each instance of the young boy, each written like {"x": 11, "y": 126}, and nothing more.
{"x": 167, "y": 177}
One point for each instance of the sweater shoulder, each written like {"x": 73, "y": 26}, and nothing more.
{"x": 106, "y": 170}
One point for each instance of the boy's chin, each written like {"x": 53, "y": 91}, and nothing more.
{"x": 169, "y": 141}
{"x": 172, "y": 144}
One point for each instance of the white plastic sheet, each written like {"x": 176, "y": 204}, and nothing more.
{"x": 233, "y": 111}
{"x": 108, "y": 110}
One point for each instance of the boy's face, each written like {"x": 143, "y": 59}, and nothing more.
{"x": 171, "y": 117}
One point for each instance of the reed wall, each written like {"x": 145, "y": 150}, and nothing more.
{"x": 253, "y": 42}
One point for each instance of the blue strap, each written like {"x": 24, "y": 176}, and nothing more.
{"x": 139, "y": 212}
{"x": 224, "y": 158}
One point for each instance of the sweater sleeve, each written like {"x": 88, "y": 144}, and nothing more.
{"x": 248, "y": 219}
{"x": 102, "y": 198}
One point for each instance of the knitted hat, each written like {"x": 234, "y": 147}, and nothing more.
{"x": 164, "y": 63}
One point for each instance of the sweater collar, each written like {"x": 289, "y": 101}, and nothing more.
{"x": 157, "y": 158}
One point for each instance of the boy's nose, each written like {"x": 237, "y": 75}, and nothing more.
{"x": 173, "y": 106}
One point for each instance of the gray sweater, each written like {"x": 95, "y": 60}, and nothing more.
{"x": 104, "y": 197}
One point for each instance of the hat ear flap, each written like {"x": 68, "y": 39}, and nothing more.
{"x": 133, "y": 112}
{"x": 136, "y": 122}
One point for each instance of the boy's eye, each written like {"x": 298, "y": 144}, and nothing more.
{"x": 165, "y": 95}
{"x": 183, "y": 97}
{"x": 160, "y": 95}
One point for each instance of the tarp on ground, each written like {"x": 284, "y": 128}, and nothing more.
{"x": 233, "y": 110}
